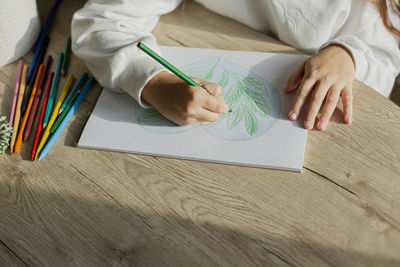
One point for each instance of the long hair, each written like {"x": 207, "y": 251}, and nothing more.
{"x": 383, "y": 8}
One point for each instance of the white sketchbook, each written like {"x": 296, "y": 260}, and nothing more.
{"x": 257, "y": 133}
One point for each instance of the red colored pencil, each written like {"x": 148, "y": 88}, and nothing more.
{"x": 39, "y": 125}
{"x": 38, "y": 96}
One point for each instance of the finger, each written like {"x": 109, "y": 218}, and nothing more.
{"x": 212, "y": 88}
{"x": 186, "y": 121}
{"x": 347, "y": 99}
{"x": 317, "y": 98}
{"x": 206, "y": 115}
{"x": 330, "y": 104}
{"x": 295, "y": 78}
{"x": 215, "y": 104}
{"x": 302, "y": 93}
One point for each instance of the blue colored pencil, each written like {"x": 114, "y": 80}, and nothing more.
{"x": 71, "y": 94}
{"x": 53, "y": 89}
{"x": 29, "y": 87}
{"x": 41, "y": 40}
{"x": 71, "y": 112}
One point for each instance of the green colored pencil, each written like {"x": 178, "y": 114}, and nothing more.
{"x": 65, "y": 62}
{"x": 53, "y": 90}
{"x": 61, "y": 117}
{"x": 169, "y": 66}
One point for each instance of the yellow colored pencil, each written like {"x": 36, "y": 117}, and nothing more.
{"x": 17, "y": 117}
{"x": 53, "y": 116}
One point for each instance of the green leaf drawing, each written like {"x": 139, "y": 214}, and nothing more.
{"x": 251, "y": 84}
{"x": 150, "y": 115}
{"x": 257, "y": 104}
{"x": 250, "y": 122}
{"x": 236, "y": 116}
{"x": 254, "y": 85}
{"x": 250, "y": 92}
{"x": 246, "y": 96}
{"x": 223, "y": 81}
{"x": 234, "y": 93}
{"x": 207, "y": 76}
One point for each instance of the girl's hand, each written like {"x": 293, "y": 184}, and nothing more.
{"x": 326, "y": 75}
{"x": 182, "y": 103}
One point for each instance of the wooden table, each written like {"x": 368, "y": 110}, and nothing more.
{"x": 93, "y": 208}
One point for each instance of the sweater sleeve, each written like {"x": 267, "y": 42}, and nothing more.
{"x": 105, "y": 34}
{"x": 374, "y": 49}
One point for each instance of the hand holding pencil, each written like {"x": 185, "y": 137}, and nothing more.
{"x": 182, "y": 103}
{"x": 180, "y": 98}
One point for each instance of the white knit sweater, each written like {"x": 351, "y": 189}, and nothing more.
{"x": 105, "y": 34}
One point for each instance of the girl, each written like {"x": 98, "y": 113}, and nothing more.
{"x": 347, "y": 39}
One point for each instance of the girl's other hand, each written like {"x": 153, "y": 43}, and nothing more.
{"x": 326, "y": 75}
{"x": 182, "y": 103}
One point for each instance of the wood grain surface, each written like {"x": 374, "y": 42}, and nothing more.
{"x": 82, "y": 207}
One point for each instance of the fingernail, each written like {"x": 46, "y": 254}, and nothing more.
{"x": 322, "y": 126}
{"x": 349, "y": 120}
{"x": 292, "y": 115}
{"x": 307, "y": 124}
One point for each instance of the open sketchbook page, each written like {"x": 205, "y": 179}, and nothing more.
{"x": 257, "y": 132}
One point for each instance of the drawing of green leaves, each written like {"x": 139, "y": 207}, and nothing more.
{"x": 236, "y": 115}
{"x": 254, "y": 85}
{"x": 207, "y": 76}
{"x": 224, "y": 79}
{"x": 234, "y": 93}
{"x": 251, "y": 84}
{"x": 248, "y": 92}
{"x": 257, "y": 104}
{"x": 150, "y": 115}
{"x": 250, "y": 122}
{"x": 246, "y": 95}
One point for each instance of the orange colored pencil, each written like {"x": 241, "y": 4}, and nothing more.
{"x": 42, "y": 80}
{"x": 18, "y": 143}
{"x": 17, "y": 117}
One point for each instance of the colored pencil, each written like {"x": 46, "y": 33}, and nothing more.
{"x": 31, "y": 115}
{"x": 16, "y": 89}
{"x": 41, "y": 39}
{"x": 43, "y": 108}
{"x": 61, "y": 117}
{"x": 53, "y": 90}
{"x": 66, "y": 58}
{"x": 55, "y": 112}
{"x": 72, "y": 93}
{"x": 66, "y": 119}
{"x": 18, "y": 109}
{"x": 18, "y": 143}
{"x": 37, "y": 97}
{"x": 169, "y": 66}
{"x": 32, "y": 82}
